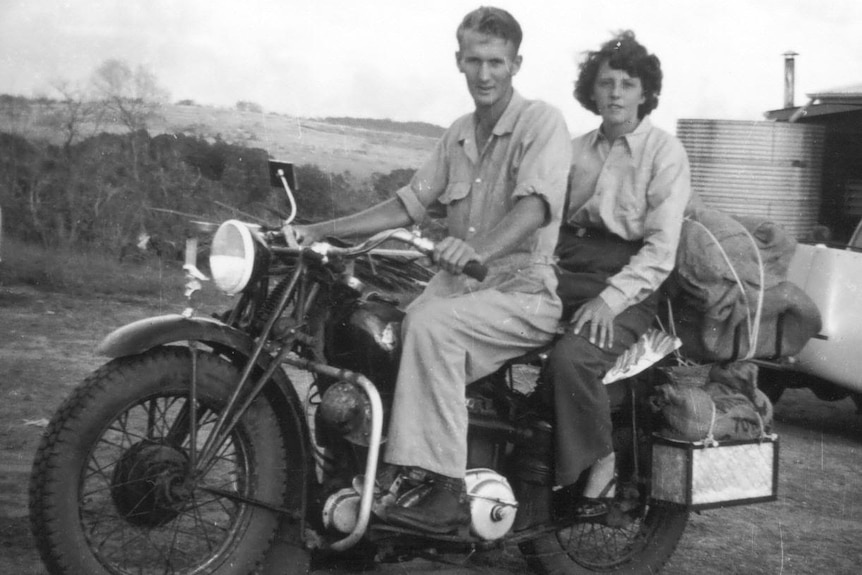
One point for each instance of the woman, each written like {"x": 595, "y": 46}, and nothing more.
{"x": 629, "y": 189}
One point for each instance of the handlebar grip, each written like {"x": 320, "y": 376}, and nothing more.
{"x": 476, "y": 270}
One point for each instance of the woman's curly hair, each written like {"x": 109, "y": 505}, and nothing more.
{"x": 625, "y": 53}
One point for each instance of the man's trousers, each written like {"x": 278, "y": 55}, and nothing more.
{"x": 447, "y": 343}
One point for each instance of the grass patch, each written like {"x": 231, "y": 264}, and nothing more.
{"x": 87, "y": 272}
{"x": 94, "y": 274}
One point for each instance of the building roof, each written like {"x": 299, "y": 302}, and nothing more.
{"x": 841, "y": 100}
{"x": 844, "y": 94}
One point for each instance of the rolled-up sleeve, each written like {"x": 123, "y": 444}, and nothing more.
{"x": 542, "y": 161}
{"x": 415, "y": 208}
{"x": 427, "y": 184}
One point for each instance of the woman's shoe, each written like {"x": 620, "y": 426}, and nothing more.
{"x": 592, "y": 507}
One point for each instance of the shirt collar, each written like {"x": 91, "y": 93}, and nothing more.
{"x": 505, "y": 125}
{"x": 634, "y": 139}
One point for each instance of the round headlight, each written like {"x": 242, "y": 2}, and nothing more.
{"x": 232, "y": 257}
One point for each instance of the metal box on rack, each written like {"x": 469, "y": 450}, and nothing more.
{"x": 705, "y": 475}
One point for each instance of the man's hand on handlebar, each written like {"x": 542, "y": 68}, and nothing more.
{"x": 452, "y": 254}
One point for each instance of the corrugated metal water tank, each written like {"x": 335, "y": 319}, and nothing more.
{"x": 762, "y": 169}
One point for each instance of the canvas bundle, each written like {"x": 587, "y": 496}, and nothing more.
{"x": 725, "y": 405}
{"x": 714, "y": 448}
{"x": 730, "y": 293}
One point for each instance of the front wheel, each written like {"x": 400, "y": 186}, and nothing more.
{"x": 638, "y": 546}
{"x": 112, "y": 489}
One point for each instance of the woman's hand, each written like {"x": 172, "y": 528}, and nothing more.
{"x": 601, "y": 319}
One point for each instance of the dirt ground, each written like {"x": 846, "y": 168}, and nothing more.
{"x": 815, "y": 527}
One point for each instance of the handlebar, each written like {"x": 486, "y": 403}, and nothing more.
{"x": 473, "y": 269}
{"x": 476, "y": 270}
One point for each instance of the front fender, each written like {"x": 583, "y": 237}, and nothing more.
{"x": 139, "y": 336}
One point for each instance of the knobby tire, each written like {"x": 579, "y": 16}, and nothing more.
{"x": 109, "y": 490}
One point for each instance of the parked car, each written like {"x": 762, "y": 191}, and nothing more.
{"x": 830, "y": 364}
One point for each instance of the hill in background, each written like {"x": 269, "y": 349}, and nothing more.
{"x": 77, "y": 180}
{"x": 358, "y": 146}
{"x": 415, "y": 128}
{"x": 336, "y": 145}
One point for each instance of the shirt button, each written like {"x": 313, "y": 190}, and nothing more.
{"x": 478, "y": 180}
{"x": 471, "y": 230}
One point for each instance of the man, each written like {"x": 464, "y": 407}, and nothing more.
{"x": 630, "y": 187}
{"x": 501, "y": 173}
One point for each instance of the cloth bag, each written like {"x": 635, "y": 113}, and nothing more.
{"x": 725, "y": 405}
{"x": 729, "y": 294}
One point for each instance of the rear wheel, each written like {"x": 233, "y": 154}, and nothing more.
{"x": 112, "y": 489}
{"x": 628, "y": 545}
{"x": 637, "y": 536}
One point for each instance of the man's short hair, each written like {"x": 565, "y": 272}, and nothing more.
{"x": 622, "y": 52}
{"x": 493, "y": 22}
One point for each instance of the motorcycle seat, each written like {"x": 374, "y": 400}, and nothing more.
{"x": 533, "y": 357}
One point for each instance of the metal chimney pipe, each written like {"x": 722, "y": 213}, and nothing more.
{"x": 789, "y": 78}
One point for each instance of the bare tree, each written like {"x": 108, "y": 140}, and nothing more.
{"x": 132, "y": 97}
{"x": 75, "y": 113}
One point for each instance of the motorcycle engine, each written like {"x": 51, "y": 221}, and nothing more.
{"x": 346, "y": 410}
{"x": 492, "y": 504}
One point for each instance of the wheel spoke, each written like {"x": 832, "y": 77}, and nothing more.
{"x": 140, "y": 507}
{"x": 127, "y": 491}
{"x": 600, "y": 546}
{"x": 199, "y": 520}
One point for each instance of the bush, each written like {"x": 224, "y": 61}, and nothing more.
{"x": 244, "y": 106}
{"x": 321, "y": 195}
{"x": 104, "y": 191}
{"x": 385, "y": 185}
{"x": 100, "y": 194}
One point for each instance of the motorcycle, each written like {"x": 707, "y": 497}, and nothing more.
{"x": 251, "y": 441}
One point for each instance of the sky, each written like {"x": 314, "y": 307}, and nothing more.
{"x": 395, "y": 59}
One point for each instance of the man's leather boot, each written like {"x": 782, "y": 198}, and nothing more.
{"x": 443, "y": 510}
{"x": 392, "y": 483}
